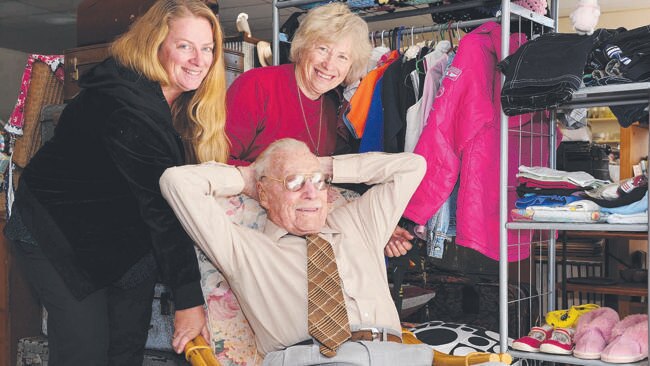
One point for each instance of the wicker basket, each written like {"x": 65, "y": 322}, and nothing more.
{"x": 44, "y": 89}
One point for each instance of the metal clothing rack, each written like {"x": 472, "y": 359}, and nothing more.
{"x": 514, "y": 9}
{"x": 437, "y": 27}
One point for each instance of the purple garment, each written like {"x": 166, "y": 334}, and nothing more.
{"x": 432, "y": 82}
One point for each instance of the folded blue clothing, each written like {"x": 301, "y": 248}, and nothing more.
{"x": 633, "y": 208}
{"x": 544, "y": 200}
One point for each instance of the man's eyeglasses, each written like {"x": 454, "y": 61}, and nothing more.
{"x": 295, "y": 182}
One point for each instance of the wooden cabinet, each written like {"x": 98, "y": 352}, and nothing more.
{"x": 20, "y": 314}
{"x": 631, "y": 141}
{"x": 78, "y": 61}
{"x": 634, "y": 146}
{"x": 4, "y": 303}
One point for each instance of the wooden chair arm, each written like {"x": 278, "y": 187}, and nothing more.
{"x": 199, "y": 353}
{"x": 443, "y": 359}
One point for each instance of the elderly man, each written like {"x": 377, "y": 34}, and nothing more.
{"x": 313, "y": 283}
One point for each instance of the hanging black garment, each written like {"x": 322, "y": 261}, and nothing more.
{"x": 397, "y": 96}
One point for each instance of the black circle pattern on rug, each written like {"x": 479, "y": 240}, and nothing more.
{"x": 457, "y": 339}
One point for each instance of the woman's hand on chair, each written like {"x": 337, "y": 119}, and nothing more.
{"x": 189, "y": 323}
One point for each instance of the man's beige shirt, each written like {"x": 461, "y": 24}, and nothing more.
{"x": 267, "y": 270}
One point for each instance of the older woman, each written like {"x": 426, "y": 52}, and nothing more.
{"x": 89, "y": 223}
{"x": 298, "y": 100}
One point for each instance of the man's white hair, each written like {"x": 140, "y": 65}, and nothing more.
{"x": 263, "y": 161}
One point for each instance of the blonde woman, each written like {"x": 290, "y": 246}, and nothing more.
{"x": 89, "y": 223}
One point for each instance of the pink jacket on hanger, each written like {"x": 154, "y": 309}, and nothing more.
{"x": 461, "y": 139}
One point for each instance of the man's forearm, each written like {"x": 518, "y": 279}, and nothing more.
{"x": 250, "y": 183}
{"x": 378, "y": 168}
{"x": 190, "y": 191}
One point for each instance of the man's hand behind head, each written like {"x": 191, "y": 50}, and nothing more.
{"x": 250, "y": 183}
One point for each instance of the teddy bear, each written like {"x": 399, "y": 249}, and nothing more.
{"x": 585, "y": 17}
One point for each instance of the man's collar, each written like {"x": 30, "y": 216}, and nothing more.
{"x": 276, "y": 232}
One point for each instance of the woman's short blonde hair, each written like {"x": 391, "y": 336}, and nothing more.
{"x": 330, "y": 23}
{"x": 199, "y": 115}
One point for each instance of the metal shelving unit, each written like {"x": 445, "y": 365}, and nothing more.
{"x": 621, "y": 94}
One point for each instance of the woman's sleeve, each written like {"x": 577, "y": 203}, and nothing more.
{"x": 141, "y": 150}
{"x": 245, "y": 119}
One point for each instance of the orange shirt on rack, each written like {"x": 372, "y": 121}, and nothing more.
{"x": 360, "y": 101}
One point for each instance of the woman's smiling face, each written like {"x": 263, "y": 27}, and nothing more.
{"x": 186, "y": 54}
{"x": 324, "y": 67}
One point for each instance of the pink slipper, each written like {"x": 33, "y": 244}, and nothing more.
{"x": 534, "y": 339}
{"x": 629, "y": 341}
{"x": 593, "y": 332}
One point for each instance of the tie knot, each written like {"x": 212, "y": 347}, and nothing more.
{"x": 314, "y": 239}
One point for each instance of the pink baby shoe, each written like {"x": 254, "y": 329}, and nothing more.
{"x": 560, "y": 343}
{"x": 629, "y": 340}
{"x": 593, "y": 331}
{"x": 532, "y": 341}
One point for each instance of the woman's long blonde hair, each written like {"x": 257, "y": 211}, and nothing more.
{"x": 200, "y": 115}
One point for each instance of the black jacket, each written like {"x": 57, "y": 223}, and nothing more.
{"x": 90, "y": 196}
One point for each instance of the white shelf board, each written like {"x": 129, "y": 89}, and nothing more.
{"x": 576, "y": 227}
{"x": 568, "y": 359}
{"x": 615, "y": 94}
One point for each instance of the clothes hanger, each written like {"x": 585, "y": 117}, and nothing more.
{"x": 457, "y": 36}
{"x": 420, "y": 64}
{"x": 413, "y": 49}
{"x": 434, "y": 39}
{"x": 449, "y": 30}
{"x": 397, "y": 39}
{"x": 382, "y": 48}
{"x": 423, "y": 42}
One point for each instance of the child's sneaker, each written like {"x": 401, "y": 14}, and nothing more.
{"x": 534, "y": 339}
{"x": 560, "y": 342}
